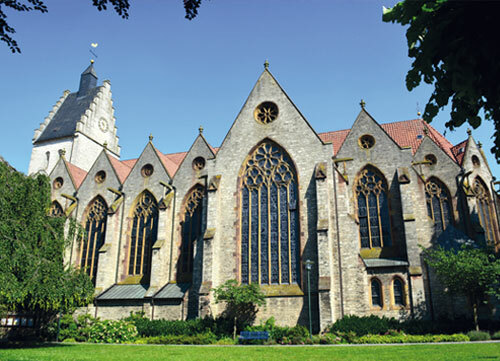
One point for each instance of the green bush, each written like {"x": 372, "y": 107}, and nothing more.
{"x": 496, "y": 336}
{"x": 479, "y": 335}
{"x": 107, "y": 331}
{"x": 297, "y": 335}
{"x": 206, "y": 338}
{"x": 364, "y": 325}
{"x": 404, "y": 338}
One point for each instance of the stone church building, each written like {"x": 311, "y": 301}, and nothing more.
{"x": 163, "y": 229}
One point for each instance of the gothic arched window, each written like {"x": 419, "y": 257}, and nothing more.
{"x": 269, "y": 218}
{"x": 95, "y": 231}
{"x": 373, "y": 209}
{"x": 485, "y": 210}
{"x": 143, "y": 236}
{"x": 191, "y": 231}
{"x": 56, "y": 210}
{"x": 398, "y": 290}
{"x": 438, "y": 204}
{"x": 376, "y": 293}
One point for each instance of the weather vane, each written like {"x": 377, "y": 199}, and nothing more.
{"x": 93, "y": 45}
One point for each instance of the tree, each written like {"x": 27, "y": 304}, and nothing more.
{"x": 471, "y": 272}
{"x": 33, "y": 277}
{"x": 241, "y": 302}
{"x": 120, "y": 6}
{"x": 452, "y": 44}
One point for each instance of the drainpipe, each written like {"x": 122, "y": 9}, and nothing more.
{"x": 338, "y": 244}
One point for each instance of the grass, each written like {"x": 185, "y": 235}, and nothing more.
{"x": 427, "y": 352}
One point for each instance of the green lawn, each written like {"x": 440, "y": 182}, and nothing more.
{"x": 427, "y": 352}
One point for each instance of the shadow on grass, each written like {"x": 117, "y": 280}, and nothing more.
{"x": 30, "y": 344}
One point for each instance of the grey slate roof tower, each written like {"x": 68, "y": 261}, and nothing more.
{"x": 88, "y": 80}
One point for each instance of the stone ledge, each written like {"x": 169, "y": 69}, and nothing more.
{"x": 281, "y": 290}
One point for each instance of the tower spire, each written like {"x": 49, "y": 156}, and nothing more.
{"x": 88, "y": 79}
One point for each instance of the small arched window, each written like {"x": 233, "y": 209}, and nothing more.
{"x": 56, "y": 210}
{"x": 95, "y": 231}
{"x": 398, "y": 291}
{"x": 373, "y": 209}
{"x": 485, "y": 210}
{"x": 143, "y": 236}
{"x": 438, "y": 204}
{"x": 191, "y": 232}
{"x": 376, "y": 293}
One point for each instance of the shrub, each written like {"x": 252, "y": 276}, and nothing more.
{"x": 297, "y": 335}
{"x": 364, "y": 325}
{"x": 226, "y": 341}
{"x": 496, "y": 336}
{"x": 479, "y": 336}
{"x": 404, "y": 338}
{"x": 199, "y": 339}
{"x": 112, "y": 332}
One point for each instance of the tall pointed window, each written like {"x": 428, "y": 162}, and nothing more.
{"x": 191, "y": 232}
{"x": 56, "y": 210}
{"x": 376, "y": 293}
{"x": 398, "y": 290}
{"x": 373, "y": 209}
{"x": 438, "y": 204}
{"x": 269, "y": 218}
{"x": 485, "y": 210}
{"x": 143, "y": 236}
{"x": 95, "y": 231}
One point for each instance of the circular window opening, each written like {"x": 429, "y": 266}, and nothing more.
{"x": 266, "y": 112}
{"x": 366, "y": 141}
{"x": 58, "y": 183}
{"x": 199, "y": 163}
{"x": 147, "y": 170}
{"x": 100, "y": 176}
{"x": 475, "y": 161}
{"x": 431, "y": 158}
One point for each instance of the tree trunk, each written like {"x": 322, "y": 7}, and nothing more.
{"x": 474, "y": 309}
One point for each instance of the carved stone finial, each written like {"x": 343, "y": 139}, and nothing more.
{"x": 479, "y": 144}
{"x": 362, "y": 103}
{"x": 105, "y": 145}
{"x": 62, "y": 153}
{"x": 200, "y": 129}
{"x": 426, "y": 131}
{"x": 150, "y": 137}
{"x": 469, "y": 132}
{"x": 266, "y": 65}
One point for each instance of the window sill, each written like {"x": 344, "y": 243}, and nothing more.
{"x": 281, "y": 290}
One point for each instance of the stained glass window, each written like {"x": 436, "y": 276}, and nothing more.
{"x": 143, "y": 236}
{"x": 376, "y": 291}
{"x": 95, "y": 231}
{"x": 56, "y": 210}
{"x": 269, "y": 218}
{"x": 485, "y": 210}
{"x": 191, "y": 231}
{"x": 373, "y": 209}
{"x": 438, "y": 204}
{"x": 399, "y": 293}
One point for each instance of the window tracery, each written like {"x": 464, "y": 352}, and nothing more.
{"x": 191, "y": 231}
{"x": 56, "y": 210}
{"x": 143, "y": 236}
{"x": 485, "y": 210}
{"x": 373, "y": 209}
{"x": 95, "y": 231}
{"x": 269, "y": 218}
{"x": 438, "y": 202}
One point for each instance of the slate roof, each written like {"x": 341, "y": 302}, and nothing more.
{"x": 63, "y": 124}
{"x": 124, "y": 292}
{"x": 172, "y": 291}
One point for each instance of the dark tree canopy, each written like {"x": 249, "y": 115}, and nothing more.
{"x": 453, "y": 47}
{"x": 120, "y": 6}
{"x": 33, "y": 276}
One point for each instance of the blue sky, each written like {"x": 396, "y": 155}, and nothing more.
{"x": 170, "y": 75}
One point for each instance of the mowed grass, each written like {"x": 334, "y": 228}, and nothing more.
{"x": 427, "y": 352}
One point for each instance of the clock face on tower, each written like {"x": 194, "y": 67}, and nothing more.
{"x": 103, "y": 125}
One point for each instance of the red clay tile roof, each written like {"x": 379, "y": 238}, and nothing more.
{"x": 404, "y": 133}
{"x": 459, "y": 151}
{"x": 77, "y": 173}
{"x": 122, "y": 168}
{"x": 171, "y": 161}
